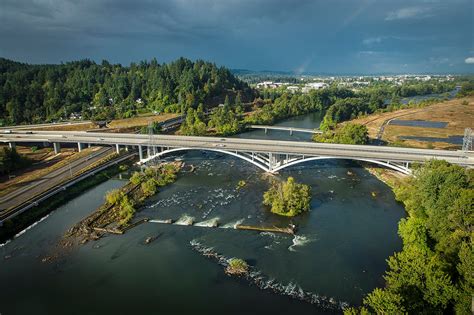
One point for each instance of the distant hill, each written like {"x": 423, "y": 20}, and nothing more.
{"x": 38, "y": 93}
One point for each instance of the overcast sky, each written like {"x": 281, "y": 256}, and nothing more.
{"x": 321, "y": 36}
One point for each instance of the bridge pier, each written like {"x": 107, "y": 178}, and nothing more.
{"x": 117, "y": 148}
{"x": 56, "y": 147}
{"x": 79, "y": 147}
{"x": 291, "y": 131}
{"x": 271, "y": 160}
{"x": 140, "y": 152}
{"x": 265, "y": 130}
{"x": 12, "y": 145}
{"x": 148, "y": 151}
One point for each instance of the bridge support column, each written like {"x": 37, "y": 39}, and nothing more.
{"x": 265, "y": 130}
{"x": 79, "y": 147}
{"x": 140, "y": 152}
{"x": 126, "y": 148}
{"x": 57, "y": 147}
{"x": 291, "y": 132}
{"x": 270, "y": 161}
{"x": 12, "y": 145}
{"x": 117, "y": 148}
{"x": 89, "y": 145}
{"x": 148, "y": 151}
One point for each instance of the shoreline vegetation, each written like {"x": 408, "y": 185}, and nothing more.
{"x": 433, "y": 273}
{"x": 288, "y": 198}
{"x": 120, "y": 205}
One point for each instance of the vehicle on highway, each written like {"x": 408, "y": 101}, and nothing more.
{"x": 7, "y": 131}
{"x": 220, "y": 145}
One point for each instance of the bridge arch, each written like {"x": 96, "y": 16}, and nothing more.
{"x": 265, "y": 167}
{"x": 397, "y": 168}
{"x": 259, "y": 165}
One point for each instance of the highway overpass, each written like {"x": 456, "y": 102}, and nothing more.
{"x": 269, "y": 155}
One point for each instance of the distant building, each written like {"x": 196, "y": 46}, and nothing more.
{"x": 314, "y": 86}
{"x": 269, "y": 85}
{"x": 293, "y": 88}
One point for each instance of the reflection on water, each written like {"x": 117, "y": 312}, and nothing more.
{"x": 339, "y": 250}
{"x": 419, "y": 123}
{"x": 450, "y": 139}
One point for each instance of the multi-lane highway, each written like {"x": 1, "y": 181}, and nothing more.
{"x": 33, "y": 188}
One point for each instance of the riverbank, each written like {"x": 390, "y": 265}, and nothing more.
{"x": 391, "y": 178}
{"x": 116, "y": 214}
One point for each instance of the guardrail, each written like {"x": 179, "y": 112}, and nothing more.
{"x": 12, "y": 212}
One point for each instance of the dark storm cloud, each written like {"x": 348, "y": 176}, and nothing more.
{"x": 301, "y": 35}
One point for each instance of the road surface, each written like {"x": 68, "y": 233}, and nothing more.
{"x": 50, "y": 180}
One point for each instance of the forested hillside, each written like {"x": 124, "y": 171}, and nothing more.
{"x": 38, "y": 93}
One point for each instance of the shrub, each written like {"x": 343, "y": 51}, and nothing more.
{"x": 237, "y": 266}
{"x": 114, "y": 196}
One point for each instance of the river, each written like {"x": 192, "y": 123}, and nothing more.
{"x": 340, "y": 250}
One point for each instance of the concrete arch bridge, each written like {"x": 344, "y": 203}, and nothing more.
{"x": 268, "y": 155}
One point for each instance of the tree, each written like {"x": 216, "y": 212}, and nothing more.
{"x": 193, "y": 125}
{"x": 11, "y": 161}
{"x": 289, "y": 198}
{"x": 433, "y": 272}
{"x": 347, "y": 134}
{"x": 385, "y": 302}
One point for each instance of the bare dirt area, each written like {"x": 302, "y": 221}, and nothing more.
{"x": 458, "y": 113}
{"x": 117, "y": 125}
{"x": 70, "y": 127}
{"x": 44, "y": 161}
{"x": 140, "y": 121}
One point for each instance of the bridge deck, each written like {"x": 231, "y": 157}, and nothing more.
{"x": 246, "y": 145}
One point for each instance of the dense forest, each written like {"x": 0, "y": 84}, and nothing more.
{"x": 38, "y": 93}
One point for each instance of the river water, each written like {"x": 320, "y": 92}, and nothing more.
{"x": 340, "y": 250}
